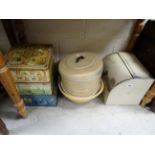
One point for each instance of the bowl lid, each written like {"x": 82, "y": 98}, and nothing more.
{"x": 81, "y": 64}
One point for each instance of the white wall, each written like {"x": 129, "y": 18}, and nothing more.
{"x": 4, "y": 42}
{"x": 101, "y": 36}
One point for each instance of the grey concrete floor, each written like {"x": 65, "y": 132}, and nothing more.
{"x": 69, "y": 118}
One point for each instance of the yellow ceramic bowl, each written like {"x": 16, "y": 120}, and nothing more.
{"x": 81, "y": 100}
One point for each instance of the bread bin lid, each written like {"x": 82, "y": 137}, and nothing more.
{"x": 29, "y": 57}
{"x": 134, "y": 65}
{"x": 81, "y": 65}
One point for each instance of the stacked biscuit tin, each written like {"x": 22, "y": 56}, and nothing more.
{"x": 31, "y": 67}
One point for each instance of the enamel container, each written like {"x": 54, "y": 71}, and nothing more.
{"x": 126, "y": 79}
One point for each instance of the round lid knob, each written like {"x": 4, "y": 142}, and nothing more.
{"x": 81, "y": 65}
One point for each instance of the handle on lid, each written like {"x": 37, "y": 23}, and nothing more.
{"x": 79, "y": 58}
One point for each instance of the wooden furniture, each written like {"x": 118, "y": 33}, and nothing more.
{"x": 3, "y": 128}
{"x": 149, "y": 96}
{"x": 138, "y": 28}
{"x": 7, "y": 81}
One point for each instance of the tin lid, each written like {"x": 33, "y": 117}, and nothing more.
{"x": 29, "y": 57}
{"x": 134, "y": 65}
{"x": 80, "y": 65}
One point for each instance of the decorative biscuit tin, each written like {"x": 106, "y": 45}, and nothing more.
{"x": 30, "y": 63}
{"x": 40, "y": 100}
{"x": 35, "y": 88}
{"x": 81, "y": 74}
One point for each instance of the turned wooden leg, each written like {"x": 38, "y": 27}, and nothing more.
{"x": 138, "y": 27}
{"x": 149, "y": 96}
{"x": 9, "y": 85}
{"x": 3, "y": 128}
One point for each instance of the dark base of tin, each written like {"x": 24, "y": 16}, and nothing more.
{"x": 40, "y": 100}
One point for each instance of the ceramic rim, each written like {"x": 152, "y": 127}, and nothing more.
{"x": 81, "y": 99}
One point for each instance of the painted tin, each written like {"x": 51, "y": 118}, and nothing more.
{"x": 31, "y": 63}
{"x": 35, "y": 88}
{"x": 40, "y": 100}
{"x": 126, "y": 79}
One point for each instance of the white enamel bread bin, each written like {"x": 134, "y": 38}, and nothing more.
{"x": 127, "y": 81}
{"x": 81, "y": 74}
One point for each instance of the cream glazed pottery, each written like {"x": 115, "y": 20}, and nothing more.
{"x": 81, "y": 74}
{"x": 81, "y": 100}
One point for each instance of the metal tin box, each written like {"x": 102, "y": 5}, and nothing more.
{"x": 40, "y": 100}
{"x": 35, "y": 88}
{"x": 30, "y": 63}
{"x": 126, "y": 79}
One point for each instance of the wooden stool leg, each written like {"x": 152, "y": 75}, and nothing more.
{"x": 138, "y": 27}
{"x": 149, "y": 96}
{"x": 3, "y": 128}
{"x": 7, "y": 81}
